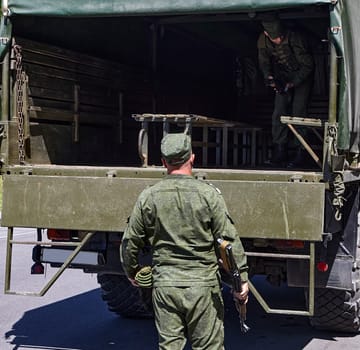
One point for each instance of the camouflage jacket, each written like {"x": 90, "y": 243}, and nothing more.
{"x": 180, "y": 218}
{"x": 290, "y": 62}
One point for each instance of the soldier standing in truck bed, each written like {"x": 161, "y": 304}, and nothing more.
{"x": 181, "y": 218}
{"x": 287, "y": 66}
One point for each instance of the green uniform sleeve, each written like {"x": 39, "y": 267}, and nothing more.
{"x": 303, "y": 56}
{"x": 133, "y": 241}
{"x": 264, "y": 57}
{"x": 223, "y": 226}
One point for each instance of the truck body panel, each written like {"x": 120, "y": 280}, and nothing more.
{"x": 267, "y": 209}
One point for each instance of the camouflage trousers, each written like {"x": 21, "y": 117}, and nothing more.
{"x": 293, "y": 103}
{"x": 194, "y": 313}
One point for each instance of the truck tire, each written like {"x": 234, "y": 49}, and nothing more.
{"x": 125, "y": 299}
{"x": 336, "y": 310}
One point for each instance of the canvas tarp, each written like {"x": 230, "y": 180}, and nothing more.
{"x": 346, "y": 27}
{"x": 145, "y": 7}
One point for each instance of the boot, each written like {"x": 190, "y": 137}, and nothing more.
{"x": 299, "y": 160}
{"x": 278, "y": 157}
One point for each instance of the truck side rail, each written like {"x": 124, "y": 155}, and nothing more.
{"x": 9, "y": 246}
{"x": 264, "y": 304}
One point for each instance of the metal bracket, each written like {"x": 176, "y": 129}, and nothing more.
{"x": 143, "y": 144}
{"x": 76, "y": 121}
{"x": 263, "y": 303}
{"x": 5, "y": 8}
{"x": 335, "y": 29}
{"x": 289, "y": 121}
{"x": 9, "y": 245}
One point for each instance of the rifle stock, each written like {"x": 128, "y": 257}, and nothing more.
{"x": 229, "y": 265}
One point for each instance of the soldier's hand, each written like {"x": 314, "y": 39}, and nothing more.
{"x": 270, "y": 81}
{"x": 133, "y": 282}
{"x": 242, "y": 296}
{"x": 288, "y": 86}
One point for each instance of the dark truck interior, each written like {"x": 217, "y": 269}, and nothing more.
{"x": 87, "y": 77}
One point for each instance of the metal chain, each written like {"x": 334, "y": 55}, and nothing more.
{"x": 20, "y": 79}
{"x": 338, "y": 181}
{"x": 332, "y": 132}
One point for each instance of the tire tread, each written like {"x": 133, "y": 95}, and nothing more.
{"x": 123, "y": 298}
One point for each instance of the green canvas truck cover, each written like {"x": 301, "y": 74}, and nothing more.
{"x": 344, "y": 16}
{"x": 146, "y": 7}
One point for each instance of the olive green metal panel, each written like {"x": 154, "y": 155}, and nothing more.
{"x": 8, "y": 142}
{"x": 285, "y": 210}
{"x": 276, "y": 210}
{"x": 83, "y": 203}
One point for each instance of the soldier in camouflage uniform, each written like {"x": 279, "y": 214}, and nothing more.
{"x": 181, "y": 218}
{"x": 287, "y": 67}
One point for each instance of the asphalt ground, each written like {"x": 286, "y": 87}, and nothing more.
{"x": 72, "y": 315}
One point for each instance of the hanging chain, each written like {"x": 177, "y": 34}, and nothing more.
{"x": 338, "y": 180}
{"x": 20, "y": 79}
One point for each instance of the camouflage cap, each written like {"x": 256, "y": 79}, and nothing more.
{"x": 176, "y": 148}
{"x": 273, "y": 27}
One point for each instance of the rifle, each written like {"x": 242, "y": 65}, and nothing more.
{"x": 229, "y": 265}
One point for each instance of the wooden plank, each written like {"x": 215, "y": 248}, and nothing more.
{"x": 98, "y": 109}
{"x": 42, "y": 60}
{"x": 37, "y": 79}
{"x": 38, "y": 104}
{"x": 54, "y": 104}
{"x": 60, "y": 115}
{"x": 71, "y": 77}
{"x": 196, "y": 120}
{"x": 50, "y": 94}
{"x": 48, "y": 97}
{"x": 47, "y": 82}
{"x": 55, "y": 73}
{"x": 57, "y": 52}
{"x": 60, "y": 57}
{"x": 67, "y": 116}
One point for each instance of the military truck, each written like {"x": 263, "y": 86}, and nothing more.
{"x": 90, "y": 87}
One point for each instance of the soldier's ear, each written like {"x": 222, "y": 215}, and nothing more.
{"x": 192, "y": 159}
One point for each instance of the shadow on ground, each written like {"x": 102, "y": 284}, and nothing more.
{"x": 83, "y": 322}
{"x": 80, "y": 322}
